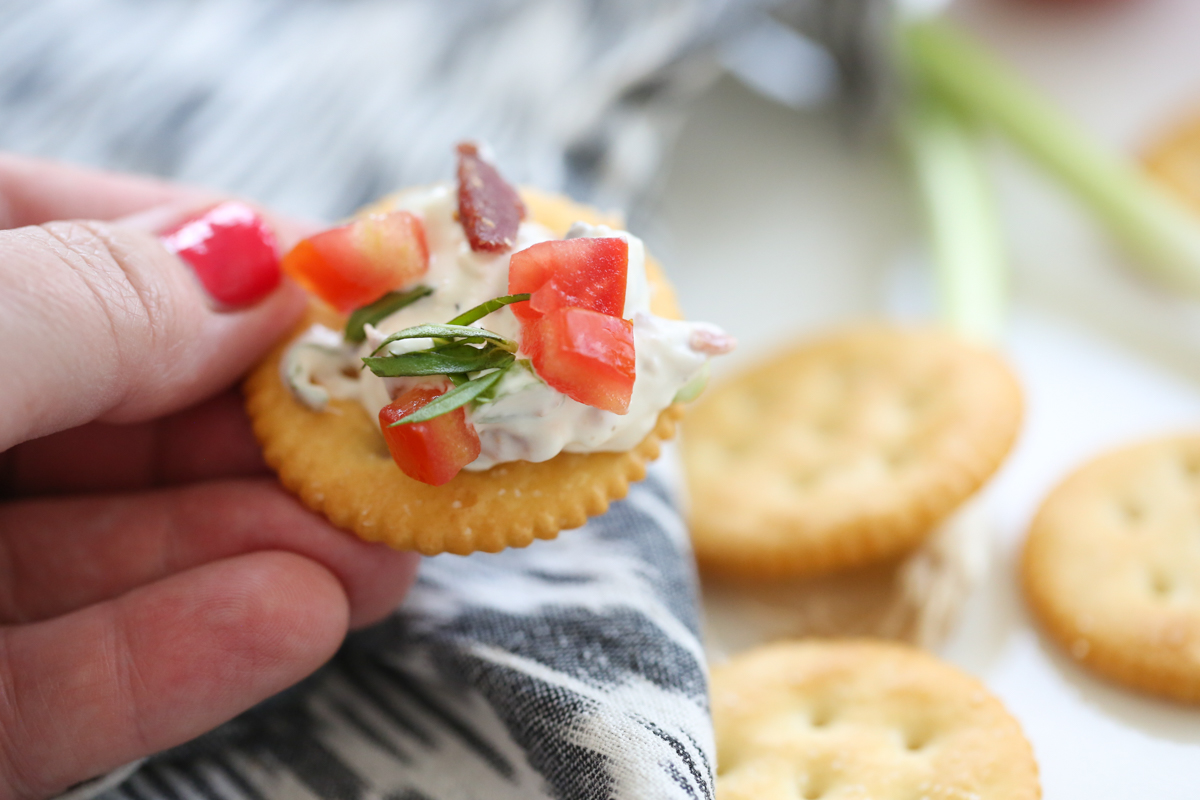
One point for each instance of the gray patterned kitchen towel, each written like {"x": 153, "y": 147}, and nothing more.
{"x": 569, "y": 669}
{"x": 318, "y": 107}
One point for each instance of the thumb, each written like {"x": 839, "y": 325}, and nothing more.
{"x": 100, "y": 320}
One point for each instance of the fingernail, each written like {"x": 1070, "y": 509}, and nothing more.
{"x": 232, "y": 251}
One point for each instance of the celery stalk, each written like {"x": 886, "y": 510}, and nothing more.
{"x": 967, "y": 244}
{"x": 1160, "y": 233}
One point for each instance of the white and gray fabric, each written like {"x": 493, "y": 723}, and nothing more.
{"x": 319, "y": 107}
{"x": 572, "y": 669}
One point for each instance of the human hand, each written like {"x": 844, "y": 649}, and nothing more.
{"x": 154, "y": 582}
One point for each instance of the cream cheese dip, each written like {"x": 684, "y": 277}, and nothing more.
{"x": 526, "y": 419}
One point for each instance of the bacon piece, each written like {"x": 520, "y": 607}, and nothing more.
{"x": 490, "y": 210}
{"x": 711, "y": 340}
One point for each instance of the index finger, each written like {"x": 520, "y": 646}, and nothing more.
{"x": 34, "y": 190}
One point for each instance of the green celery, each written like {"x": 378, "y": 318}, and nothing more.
{"x": 967, "y": 246}
{"x": 1159, "y": 231}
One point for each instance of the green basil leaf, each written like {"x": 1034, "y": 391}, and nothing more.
{"x": 446, "y": 360}
{"x": 483, "y": 309}
{"x": 455, "y": 398}
{"x": 382, "y": 308}
{"x": 461, "y": 332}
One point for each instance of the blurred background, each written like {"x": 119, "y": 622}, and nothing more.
{"x": 753, "y": 144}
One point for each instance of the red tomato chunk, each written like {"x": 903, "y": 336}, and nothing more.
{"x": 586, "y": 355}
{"x": 431, "y": 452}
{"x": 578, "y": 273}
{"x": 356, "y": 264}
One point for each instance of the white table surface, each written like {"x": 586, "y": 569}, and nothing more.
{"x": 774, "y": 225}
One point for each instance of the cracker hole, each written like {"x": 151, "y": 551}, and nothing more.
{"x": 915, "y": 401}
{"x": 917, "y": 737}
{"x": 1133, "y": 511}
{"x": 1191, "y": 465}
{"x": 821, "y": 717}
{"x": 816, "y": 782}
{"x": 1161, "y": 584}
{"x": 806, "y": 480}
{"x": 898, "y": 459}
{"x": 737, "y": 450}
{"x": 830, "y": 426}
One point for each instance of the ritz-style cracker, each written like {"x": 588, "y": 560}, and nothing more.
{"x": 337, "y": 462}
{"x": 1175, "y": 160}
{"x": 1111, "y": 566}
{"x": 865, "y": 719}
{"x": 844, "y": 451}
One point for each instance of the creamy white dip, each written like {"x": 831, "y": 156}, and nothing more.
{"x": 527, "y": 420}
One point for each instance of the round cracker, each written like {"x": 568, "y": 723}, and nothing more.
{"x": 862, "y": 719}
{"x": 1111, "y": 567}
{"x": 1175, "y": 160}
{"x": 844, "y": 451}
{"x": 336, "y": 461}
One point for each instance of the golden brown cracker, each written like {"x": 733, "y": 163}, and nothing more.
{"x": 844, "y": 451}
{"x": 1175, "y": 160}
{"x": 1111, "y": 567}
{"x": 336, "y": 461}
{"x": 862, "y": 719}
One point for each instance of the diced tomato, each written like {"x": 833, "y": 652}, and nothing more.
{"x": 490, "y": 210}
{"x": 356, "y": 264}
{"x": 586, "y": 355}
{"x": 434, "y": 451}
{"x": 531, "y": 338}
{"x": 579, "y": 273}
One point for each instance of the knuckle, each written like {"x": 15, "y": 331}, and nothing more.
{"x": 127, "y": 295}
{"x": 127, "y": 681}
{"x": 117, "y": 282}
{"x": 18, "y": 776}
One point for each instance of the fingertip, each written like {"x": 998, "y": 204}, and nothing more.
{"x": 382, "y": 584}
{"x": 163, "y": 664}
{"x": 275, "y": 615}
{"x": 261, "y": 514}
{"x": 232, "y": 633}
{"x": 374, "y": 577}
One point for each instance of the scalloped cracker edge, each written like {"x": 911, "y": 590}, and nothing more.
{"x": 844, "y": 451}
{"x": 859, "y": 718}
{"x": 1111, "y": 567}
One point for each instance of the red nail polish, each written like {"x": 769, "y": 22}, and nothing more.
{"x": 231, "y": 250}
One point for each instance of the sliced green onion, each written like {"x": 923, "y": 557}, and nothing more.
{"x": 967, "y": 244}
{"x": 692, "y": 389}
{"x": 483, "y": 309}
{"x": 381, "y": 309}
{"x": 455, "y": 398}
{"x": 460, "y": 332}
{"x": 447, "y": 360}
{"x": 1158, "y": 230}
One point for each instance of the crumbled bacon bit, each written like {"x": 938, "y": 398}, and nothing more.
{"x": 711, "y": 341}
{"x": 490, "y": 210}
